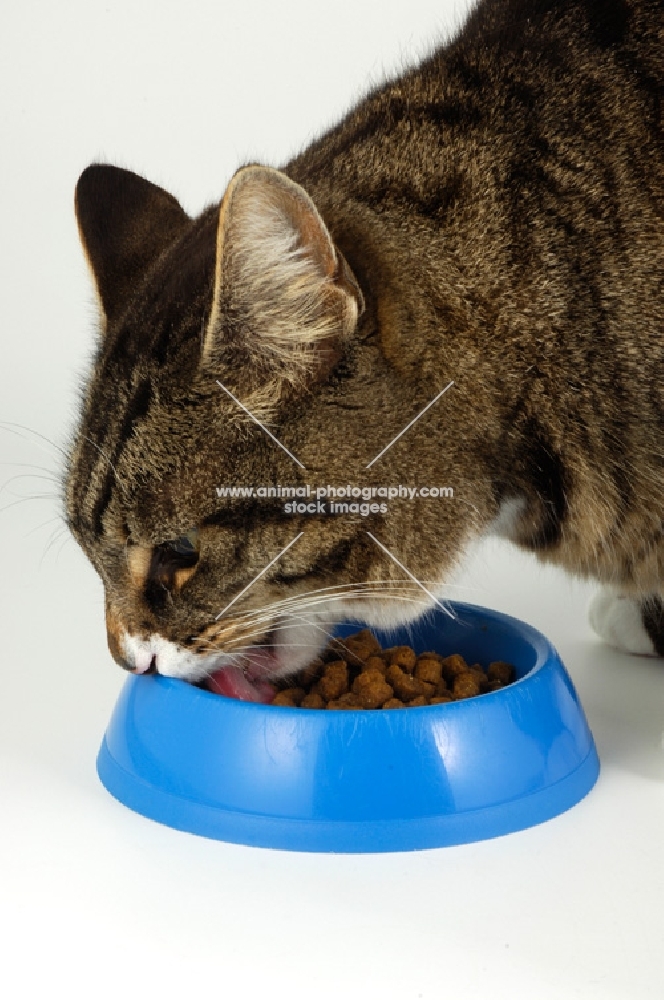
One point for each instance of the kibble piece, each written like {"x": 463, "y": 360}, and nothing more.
{"x": 500, "y": 671}
{"x": 366, "y": 638}
{"x": 404, "y": 657}
{"x": 453, "y": 666}
{"x": 494, "y": 685}
{"x": 347, "y": 700}
{"x": 334, "y": 681}
{"x": 357, "y": 648}
{"x": 480, "y": 673}
{"x": 353, "y": 654}
{"x": 284, "y": 699}
{"x": 442, "y": 689}
{"x": 418, "y": 702}
{"x": 428, "y": 669}
{"x": 312, "y": 700}
{"x": 466, "y": 685}
{"x": 441, "y": 699}
{"x": 406, "y": 687}
{"x": 394, "y": 703}
{"x": 375, "y": 663}
{"x": 372, "y": 689}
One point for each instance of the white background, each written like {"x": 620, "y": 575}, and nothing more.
{"x": 97, "y": 901}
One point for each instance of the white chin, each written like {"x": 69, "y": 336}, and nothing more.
{"x": 171, "y": 659}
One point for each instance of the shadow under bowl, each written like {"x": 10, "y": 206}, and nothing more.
{"x": 361, "y": 781}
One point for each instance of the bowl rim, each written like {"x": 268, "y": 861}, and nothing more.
{"x": 544, "y": 649}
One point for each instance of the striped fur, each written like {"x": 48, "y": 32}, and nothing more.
{"x": 493, "y": 216}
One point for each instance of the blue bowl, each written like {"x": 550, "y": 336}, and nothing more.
{"x": 361, "y": 781}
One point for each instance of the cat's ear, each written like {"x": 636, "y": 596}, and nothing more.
{"x": 283, "y": 293}
{"x": 125, "y": 222}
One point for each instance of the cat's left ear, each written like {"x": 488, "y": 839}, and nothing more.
{"x": 283, "y": 292}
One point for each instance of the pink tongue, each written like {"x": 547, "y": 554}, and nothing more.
{"x": 233, "y": 683}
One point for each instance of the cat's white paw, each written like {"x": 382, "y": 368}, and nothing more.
{"x": 617, "y": 618}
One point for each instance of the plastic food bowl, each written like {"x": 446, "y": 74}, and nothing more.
{"x": 361, "y": 781}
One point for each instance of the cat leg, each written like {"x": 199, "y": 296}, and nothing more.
{"x": 633, "y": 624}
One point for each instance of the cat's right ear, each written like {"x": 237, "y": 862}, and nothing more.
{"x": 125, "y": 223}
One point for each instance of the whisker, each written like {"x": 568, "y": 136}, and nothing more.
{"x": 9, "y": 426}
{"x": 337, "y": 586}
{"x": 380, "y": 586}
{"x": 35, "y": 496}
{"x": 283, "y": 614}
{"x": 403, "y": 598}
{"x": 291, "y": 616}
{"x": 52, "y": 542}
{"x": 26, "y": 475}
{"x": 66, "y": 538}
{"x": 244, "y": 636}
{"x": 286, "y": 614}
{"x": 31, "y": 465}
{"x": 56, "y": 517}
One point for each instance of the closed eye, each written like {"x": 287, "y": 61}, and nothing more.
{"x": 172, "y": 561}
{"x": 159, "y": 569}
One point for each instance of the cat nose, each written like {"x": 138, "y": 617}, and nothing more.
{"x": 144, "y": 663}
{"x": 151, "y": 669}
{"x": 142, "y": 667}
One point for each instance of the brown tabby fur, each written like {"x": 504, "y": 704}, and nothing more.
{"x": 497, "y": 219}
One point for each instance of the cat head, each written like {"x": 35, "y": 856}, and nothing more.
{"x": 216, "y": 333}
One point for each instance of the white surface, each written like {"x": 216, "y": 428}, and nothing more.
{"x": 100, "y": 902}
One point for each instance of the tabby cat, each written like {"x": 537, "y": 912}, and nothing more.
{"x": 492, "y": 218}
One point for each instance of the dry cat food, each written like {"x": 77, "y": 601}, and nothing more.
{"x": 355, "y": 672}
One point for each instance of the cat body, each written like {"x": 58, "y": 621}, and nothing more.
{"x": 493, "y": 218}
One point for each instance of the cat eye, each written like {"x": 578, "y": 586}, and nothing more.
{"x": 172, "y": 563}
{"x": 185, "y": 548}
